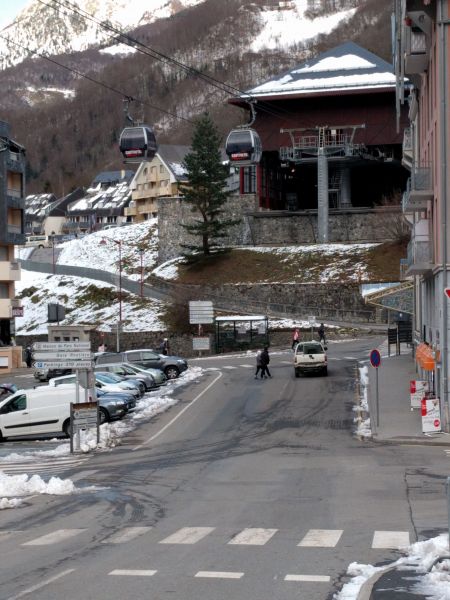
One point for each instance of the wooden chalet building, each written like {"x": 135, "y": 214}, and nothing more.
{"x": 329, "y": 134}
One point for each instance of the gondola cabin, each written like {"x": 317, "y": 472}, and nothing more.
{"x": 243, "y": 147}
{"x": 138, "y": 144}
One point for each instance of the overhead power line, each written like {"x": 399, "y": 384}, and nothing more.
{"x": 95, "y": 81}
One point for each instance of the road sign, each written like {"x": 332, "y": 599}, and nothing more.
{"x": 63, "y": 364}
{"x": 200, "y": 343}
{"x": 17, "y": 311}
{"x": 375, "y": 358}
{"x": 447, "y": 292}
{"x": 201, "y": 312}
{"x": 62, "y": 346}
{"x": 62, "y": 355}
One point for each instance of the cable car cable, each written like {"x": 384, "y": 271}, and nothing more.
{"x": 95, "y": 81}
{"x": 152, "y": 53}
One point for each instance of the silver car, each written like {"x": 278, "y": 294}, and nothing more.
{"x": 126, "y": 371}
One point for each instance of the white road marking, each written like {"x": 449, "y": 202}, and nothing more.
{"x": 321, "y": 538}
{"x": 287, "y": 362}
{"x": 390, "y": 539}
{"x": 350, "y": 358}
{"x": 229, "y": 367}
{"x": 253, "y": 537}
{"x": 313, "y": 578}
{"x": 220, "y": 574}
{"x": 212, "y": 369}
{"x": 247, "y": 366}
{"x": 53, "y": 538}
{"x": 187, "y": 535}
{"x": 53, "y": 465}
{"x": 133, "y": 572}
{"x": 39, "y": 586}
{"x": 153, "y": 437}
{"x": 125, "y": 535}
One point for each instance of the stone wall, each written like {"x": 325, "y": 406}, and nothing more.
{"x": 277, "y": 228}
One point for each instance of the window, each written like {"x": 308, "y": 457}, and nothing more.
{"x": 249, "y": 180}
{"x": 133, "y": 356}
{"x": 149, "y": 356}
{"x": 161, "y": 168}
{"x": 18, "y": 403}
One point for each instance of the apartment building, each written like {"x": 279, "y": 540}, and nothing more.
{"x": 421, "y": 54}
{"x": 12, "y": 208}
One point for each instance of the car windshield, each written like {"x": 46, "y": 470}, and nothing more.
{"x": 109, "y": 378}
{"x": 312, "y": 349}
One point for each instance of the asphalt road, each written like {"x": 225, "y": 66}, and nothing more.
{"x": 245, "y": 489}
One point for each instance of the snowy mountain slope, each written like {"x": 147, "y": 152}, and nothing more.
{"x": 54, "y": 27}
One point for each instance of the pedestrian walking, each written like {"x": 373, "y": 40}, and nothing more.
{"x": 28, "y": 356}
{"x": 295, "y": 337}
{"x": 101, "y": 348}
{"x": 265, "y": 360}
{"x": 321, "y": 333}
{"x": 258, "y": 364}
{"x": 164, "y": 347}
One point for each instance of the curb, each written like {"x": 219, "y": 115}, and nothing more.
{"x": 365, "y": 591}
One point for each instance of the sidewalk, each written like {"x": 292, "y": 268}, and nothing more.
{"x": 398, "y": 424}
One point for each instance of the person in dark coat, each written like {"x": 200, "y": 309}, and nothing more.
{"x": 164, "y": 347}
{"x": 265, "y": 360}
{"x": 321, "y": 333}
{"x": 28, "y": 356}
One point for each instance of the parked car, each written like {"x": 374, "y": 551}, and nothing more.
{"x": 126, "y": 371}
{"x": 159, "y": 376}
{"x": 125, "y": 384}
{"x": 7, "y": 389}
{"x": 105, "y": 398}
{"x": 310, "y": 357}
{"x": 171, "y": 365}
{"x": 46, "y": 374}
{"x": 107, "y": 387}
{"x": 47, "y": 410}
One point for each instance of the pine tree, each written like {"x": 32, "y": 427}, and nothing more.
{"x": 206, "y": 192}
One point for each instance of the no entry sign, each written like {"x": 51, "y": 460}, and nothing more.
{"x": 375, "y": 358}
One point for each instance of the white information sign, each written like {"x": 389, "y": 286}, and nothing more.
{"x": 201, "y": 312}
{"x": 417, "y": 391}
{"x": 75, "y": 356}
{"x": 61, "y": 346}
{"x": 63, "y": 364}
{"x": 312, "y": 320}
{"x": 431, "y": 415}
{"x": 201, "y": 343}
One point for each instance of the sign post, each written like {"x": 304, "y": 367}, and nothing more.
{"x": 375, "y": 361}
{"x": 201, "y": 313}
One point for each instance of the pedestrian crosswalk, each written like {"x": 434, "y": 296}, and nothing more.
{"x": 45, "y": 466}
{"x": 252, "y": 536}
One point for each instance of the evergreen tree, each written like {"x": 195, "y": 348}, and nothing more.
{"x": 206, "y": 191}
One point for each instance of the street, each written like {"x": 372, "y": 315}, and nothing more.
{"x": 245, "y": 489}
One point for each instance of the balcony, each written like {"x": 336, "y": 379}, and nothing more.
{"x": 6, "y": 307}
{"x": 417, "y": 36}
{"x": 407, "y": 146}
{"x": 419, "y": 190}
{"x": 420, "y": 255}
{"x": 9, "y": 271}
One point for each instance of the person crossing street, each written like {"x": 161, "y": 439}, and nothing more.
{"x": 265, "y": 359}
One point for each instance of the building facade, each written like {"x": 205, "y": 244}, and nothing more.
{"x": 422, "y": 57}
{"x": 12, "y": 209}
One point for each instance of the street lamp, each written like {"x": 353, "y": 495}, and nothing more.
{"x": 104, "y": 242}
{"x": 52, "y": 238}
{"x": 141, "y": 253}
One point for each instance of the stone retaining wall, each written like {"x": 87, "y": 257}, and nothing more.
{"x": 277, "y": 228}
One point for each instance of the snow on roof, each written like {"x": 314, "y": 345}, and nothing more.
{"x": 344, "y": 68}
{"x": 114, "y": 196}
{"x": 242, "y": 318}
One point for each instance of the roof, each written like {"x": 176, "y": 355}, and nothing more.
{"x": 346, "y": 68}
{"x": 113, "y": 177}
{"x": 36, "y": 204}
{"x": 173, "y": 157}
{"x": 114, "y": 197}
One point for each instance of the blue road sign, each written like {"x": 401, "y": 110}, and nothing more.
{"x": 375, "y": 358}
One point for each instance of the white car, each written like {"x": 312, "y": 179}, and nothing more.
{"x": 310, "y": 357}
{"x": 106, "y": 387}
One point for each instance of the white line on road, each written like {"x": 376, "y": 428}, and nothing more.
{"x": 187, "y": 535}
{"x": 247, "y": 366}
{"x": 220, "y": 574}
{"x": 133, "y": 572}
{"x": 313, "y": 578}
{"x": 229, "y": 367}
{"x": 54, "y": 537}
{"x": 321, "y": 538}
{"x": 253, "y": 537}
{"x": 390, "y": 539}
{"x": 153, "y": 437}
{"x": 126, "y": 535}
{"x": 39, "y": 586}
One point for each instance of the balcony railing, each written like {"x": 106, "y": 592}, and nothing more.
{"x": 419, "y": 190}
{"x": 416, "y": 52}
{"x": 407, "y": 147}
{"x": 420, "y": 255}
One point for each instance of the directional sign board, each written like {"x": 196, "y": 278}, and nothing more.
{"x": 375, "y": 358}
{"x": 62, "y": 356}
{"x": 201, "y": 312}
{"x": 63, "y": 364}
{"x": 62, "y": 346}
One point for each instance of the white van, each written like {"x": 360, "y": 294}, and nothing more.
{"x": 36, "y": 411}
{"x": 38, "y": 241}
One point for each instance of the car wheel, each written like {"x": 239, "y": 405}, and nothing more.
{"x": 103, "y": 415}
{"x": 297, "y": 372}
{"x": 66, "y": 427}
{"x": 171, "y": 372}
{"x": 325, "y": 370}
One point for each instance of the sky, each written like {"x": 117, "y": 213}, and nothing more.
{"x": 9, "y": 9}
